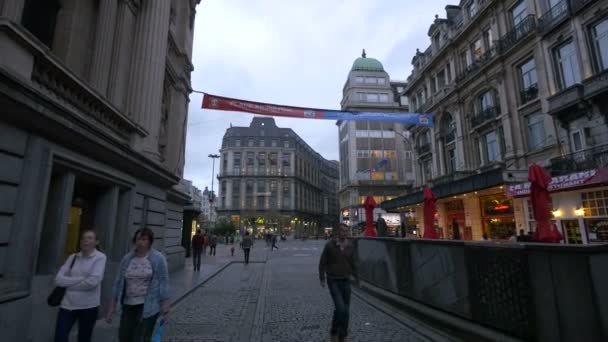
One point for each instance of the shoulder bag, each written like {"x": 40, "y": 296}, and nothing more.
{"x": 56, "y": 296}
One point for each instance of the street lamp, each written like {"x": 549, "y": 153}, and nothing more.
{"x": 211, "y": 196}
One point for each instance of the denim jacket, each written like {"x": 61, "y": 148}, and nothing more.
{"x": 158, "y": 290}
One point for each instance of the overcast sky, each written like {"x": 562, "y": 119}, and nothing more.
{"x": 296, "y": 53}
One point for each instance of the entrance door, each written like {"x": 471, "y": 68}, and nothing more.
{"x": 459, "y": 217}
{"x": 572, "y": 231}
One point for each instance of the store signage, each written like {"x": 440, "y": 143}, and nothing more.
{"x": 502, "y": 207}
{"x": 558, "y": 183}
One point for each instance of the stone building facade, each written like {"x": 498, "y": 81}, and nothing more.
{"x": 511, "y": 83}
{"x": 375, "y": 157}
{"x": 93, "y": 98}
{"x": 272, "y": 180}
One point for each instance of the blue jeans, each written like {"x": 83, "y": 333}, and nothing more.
{"x": 340, "y": 294}
{"x": 66, "y": 319}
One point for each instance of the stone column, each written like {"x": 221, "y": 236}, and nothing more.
{"x": 102, "y": 51}
{"x": 148, "y": 72}
{"x": 121, "y": 55}
{"x": 12, "y": 9}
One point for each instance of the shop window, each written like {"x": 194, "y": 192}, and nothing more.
{"x": 595, "y": 203}
{"x": 597, "y": 229}
{"x": 498, "y": 218}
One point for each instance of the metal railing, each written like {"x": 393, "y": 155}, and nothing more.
{"x": 553, "y": 16}
{"x": 588, "y": 159}
{"x": 485, "y": 115}
{"x": 448, "y": 137}
{"x": 422, "y": 149}
{"x": 517, "y": 33}
{"x": 529, "y": 94}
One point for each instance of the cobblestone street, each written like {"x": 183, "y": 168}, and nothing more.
{"x": 280, "y": 300}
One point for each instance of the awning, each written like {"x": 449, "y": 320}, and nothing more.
{"x": 563, "y": 183}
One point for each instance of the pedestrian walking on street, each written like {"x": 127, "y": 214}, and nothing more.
{"x": 212, "y": 244}
{"x": 205, "y": 243}
{"x": 337, "y": 265}
{"x": 381, "y": 226}
{"x": 246, "y": 245}
{"x": 274, "y": 243}
{"x": 197, "y": 249}
{"x": 142, "y": 288}
{"x": 81, "y": 276}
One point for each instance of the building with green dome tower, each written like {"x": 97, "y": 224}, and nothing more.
{"x": 374, "y": 157}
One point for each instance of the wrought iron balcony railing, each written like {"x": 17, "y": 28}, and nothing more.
{"x": 554, "y": 16}
{"x": 517, "y": 33}
{"x": 529, "y": 94}
{"x": 485, "y": 115}
{"x": 590, "y": 158}
{"x": 423, "y": 149}
{"x": 448, "y": 137}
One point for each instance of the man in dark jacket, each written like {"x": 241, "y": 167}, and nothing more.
{"x": 381, "y": 226}
{"x": 197, "y": 249}
{"x": 337, "y": 263}
{"x": 212, "y": 244}
{"x": 246, "y": 245}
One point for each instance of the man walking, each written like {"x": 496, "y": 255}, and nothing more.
{"x": 197, "y": 249}
{"x": 212, "y": 244}
{"x": 337, "y": 263}
{"x": 381, "y": 226}
{"x": 274, "y": 243}
{"x": 246, "y": 245}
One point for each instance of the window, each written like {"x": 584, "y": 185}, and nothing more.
{"x": 250, "y": 142}
{"x": 359, "y": 79}
{"x": 236, "y": 168}
{"x": 433, "y": 85}
{"x": 286, "y": 195}
{"x": 491, "y": 146}
{"x": 286, "y": 162}
{"x": 237, "y": 143}
{"x": 448, "y": 73}
{"x": 371, "y": 98}
{"x": 599, "y": 39}
{"x": 250, "y": 159}
{"x": 273, "y": 159}
{"x": 472, "y": 9}
{"x": 236, "y": 193}
{"x": 487, "y": 39}
{"x": 595, "y": 203}
{"x": 519, "y": 12}
{"x": 566, "y": 65}
{"x": 529, "y": 80}
{"x": 286, "y": 143}
{"x": 427, "y": 170}
{"x": 224, "y": 162}
{"x": 370, "y": 80}
{"x": 476, "y": 49}
{"x": 437, "y": 41}
{"x": 384, "y": 98}
{"x": 577, "y": 141}
{"x": 39, "y": 17}
{"x": 536, "y": 131}
{"x": 486, "y": 101}
{"x": 249, "y": 187}
{"x": 381, "y": 80}
{"x": 262, "y": 143}
{"x": 467, "y": 58}
{"x": 451, "y": 161}
{"x": 274, "y": 143}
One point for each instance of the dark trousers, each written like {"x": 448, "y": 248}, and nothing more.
{"x": 65, "y": 321}
{"x": 212, "y": 250}
{"x": 196, "y": 259}
{"x": 132, "y": 327}
{"x": 246, "y": 250}
{"x": 274, "y": 245}
{"x": 340, "y": 294}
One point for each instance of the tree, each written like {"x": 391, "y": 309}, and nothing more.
{"x": 224, "y": 227}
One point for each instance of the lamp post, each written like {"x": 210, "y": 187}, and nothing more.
{"x": 212, "y": 195}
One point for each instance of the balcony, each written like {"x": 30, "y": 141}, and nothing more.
{"x": 423, "y": 149}
{"x": 561, "y": 103}
{"x": 596, "y": 85}
{"x": 529, "y": 94}
{"x": 484, "y": 116}
{"x": 591, "y": 158}
{"x": 448, "y": 137}
{"x": 553, "y": 17}
{"x": 578, "y": 5}
{"x": 517, "y": 34}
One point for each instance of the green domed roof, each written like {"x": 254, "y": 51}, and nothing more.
{"x": 367, "y": 64}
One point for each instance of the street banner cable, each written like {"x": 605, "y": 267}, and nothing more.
{"x": 230, "y": 104}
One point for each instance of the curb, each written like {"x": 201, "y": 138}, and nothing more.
{"x": 448, "y": 324}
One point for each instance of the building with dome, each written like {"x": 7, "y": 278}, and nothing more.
{"x": 375, "y": 157}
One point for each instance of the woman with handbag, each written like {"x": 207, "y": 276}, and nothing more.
{"x": 79, "y": 289}
{"x": 142, "y": 288}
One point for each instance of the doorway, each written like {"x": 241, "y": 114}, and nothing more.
{"x": 572, "y": 232}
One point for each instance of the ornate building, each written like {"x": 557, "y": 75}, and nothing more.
{"x": 375, "y": 159}
{"x": 511, "y": 83}
{"x": 271, "y": 179}
{"x": 94, "y": 98}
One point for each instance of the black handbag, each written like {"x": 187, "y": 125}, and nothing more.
{"x": 56, "y": 296}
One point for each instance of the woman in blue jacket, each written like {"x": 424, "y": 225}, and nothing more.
{"x": 142, "y": 288}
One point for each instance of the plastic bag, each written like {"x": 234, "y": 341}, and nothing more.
{"x": 159, "y": 331}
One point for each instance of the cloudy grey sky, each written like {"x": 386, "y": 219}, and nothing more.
{"x": 296, "y": 53}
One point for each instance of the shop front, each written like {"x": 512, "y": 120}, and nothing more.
{"x": 579, "y": 203}
{"x": 498, "y": 219}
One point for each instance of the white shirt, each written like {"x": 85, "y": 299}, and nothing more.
{"x": 83, "y": 282}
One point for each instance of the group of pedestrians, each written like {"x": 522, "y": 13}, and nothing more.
{"x": 140, "y": 288}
